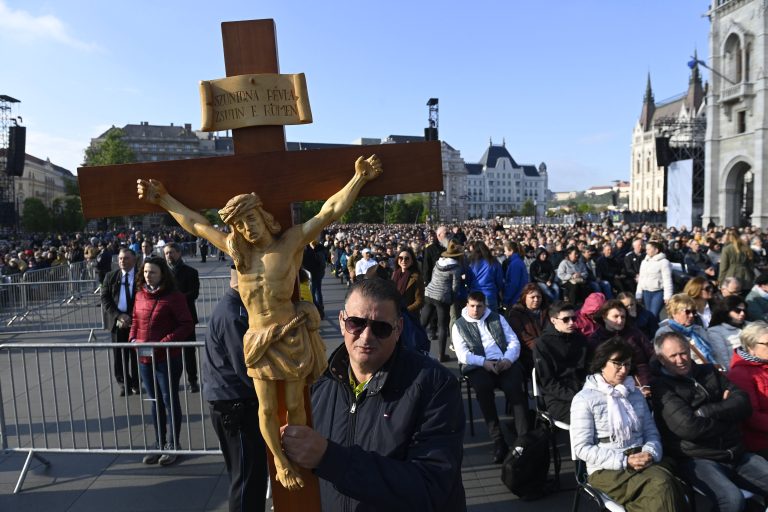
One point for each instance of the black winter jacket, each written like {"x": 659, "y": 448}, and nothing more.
{"x": 561, "y": 365}
{"x": 399, "y": 445}
{"x": 693, "y": 418}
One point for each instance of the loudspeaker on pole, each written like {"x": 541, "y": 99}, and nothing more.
{"x": 17, "y": 139}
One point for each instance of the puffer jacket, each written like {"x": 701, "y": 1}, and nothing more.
{"x": 752, "y": 377}
{"x": 160, "y": 317}
{"x": 655, "y": 274}
{"x": 589, "y": 425}
{"x": 445, "y": 282}
{"x": 488, "y": 279}
{"x": 725, "y": 339}
{"x": 693, "y": 418}
{"x": 398, "y": 446}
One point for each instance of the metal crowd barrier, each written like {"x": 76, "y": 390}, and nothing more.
{"x": 63, "y": 398}
{"x": 72, "y": 305}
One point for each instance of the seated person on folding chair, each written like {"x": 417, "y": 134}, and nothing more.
{"x": 699, "y": 414}
{"x": 613, "y": 431}
{"x": 560, "y": 358}
{"x": 487, "y": 350}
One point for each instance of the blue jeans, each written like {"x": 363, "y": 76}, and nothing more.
{"x": 603, "y": 287}
{"x": 553, "y": 292}
{"x": 653, "y": 302}
{"x": 170, "y": 396}
{"x": 721, "y": 481}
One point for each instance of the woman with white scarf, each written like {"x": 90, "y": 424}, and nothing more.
{"x": 612, "y": 430}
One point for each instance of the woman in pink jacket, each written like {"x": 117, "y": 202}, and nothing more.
{"x": 161, "y": 314}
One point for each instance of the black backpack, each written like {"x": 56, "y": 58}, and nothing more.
{"x": 526, "y": 468}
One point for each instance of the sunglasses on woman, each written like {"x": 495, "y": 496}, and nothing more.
{"x": 355, "y": 325}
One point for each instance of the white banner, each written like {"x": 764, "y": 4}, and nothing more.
{"x": 680, "y": 194}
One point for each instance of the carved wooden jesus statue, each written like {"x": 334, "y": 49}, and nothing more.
{"x": 282, "y": 341}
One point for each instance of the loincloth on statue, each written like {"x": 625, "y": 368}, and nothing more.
{"x": 293, "y": 351}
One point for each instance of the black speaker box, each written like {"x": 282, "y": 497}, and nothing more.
{"x": 17, "y": 139}
{"x": 663, "y": 153}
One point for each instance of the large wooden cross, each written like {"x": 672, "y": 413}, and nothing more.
{"x": 278, "y": 176}
{"x": 262, "y": 165}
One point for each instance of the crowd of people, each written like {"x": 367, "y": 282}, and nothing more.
{"x": 96, "y": 250}
{"x": 650, "y": 342}
{"x": 618, "y": 321}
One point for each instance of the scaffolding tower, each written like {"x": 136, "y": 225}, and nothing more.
{"x": 8, "y": 207}
{"x": 685, "y": 139}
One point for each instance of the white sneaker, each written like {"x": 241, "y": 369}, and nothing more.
{"x": 167, "y": 459}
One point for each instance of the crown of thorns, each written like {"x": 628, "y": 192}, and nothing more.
{"x": 238, "y": 206}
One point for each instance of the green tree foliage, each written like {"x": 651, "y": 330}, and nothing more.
{"x": 309, "y": 209}
{"x": 528, "y": 209}
{"x": 67, "y": 214}
{"x": 112, "y": 150}
{"x": 365, "y": 209}
{"x": 35, "y": 217}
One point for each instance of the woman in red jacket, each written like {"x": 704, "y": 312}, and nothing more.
{"x": 749, "y": 371}
{"x": 161, "y": 314}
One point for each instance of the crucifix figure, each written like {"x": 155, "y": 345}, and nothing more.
{"x": 281, "y": 177}
{"x": 282, "y": 342}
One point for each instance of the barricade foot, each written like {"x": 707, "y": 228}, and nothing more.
{"x": 25, "y": 469}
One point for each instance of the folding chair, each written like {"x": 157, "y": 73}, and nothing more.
{"x": 465, "y": 381}
{"x": 598, "y": 497}
{"x": 551, "y": 423}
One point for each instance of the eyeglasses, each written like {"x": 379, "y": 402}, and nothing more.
{"x": 688, "y": 311}
{"x": 708, "y": 289}
{"x": 356, "y": 325}
{"x": 739, "y": 310}
{"x": 619, "y": 364}
{"x": 567, "y": 319}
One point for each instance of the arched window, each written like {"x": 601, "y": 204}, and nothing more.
{"x": 733, "y": 58}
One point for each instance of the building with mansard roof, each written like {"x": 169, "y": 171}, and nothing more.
{"x": 647, "y": 187}
{"x": 498, "y": 186}
{"x": 151, "y": 143}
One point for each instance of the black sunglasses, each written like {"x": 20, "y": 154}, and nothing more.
{"x": 356, "y": 325}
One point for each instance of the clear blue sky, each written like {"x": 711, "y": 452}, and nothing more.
{"x": 561, "y": 81}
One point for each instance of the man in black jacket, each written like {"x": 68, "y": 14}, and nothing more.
{"x": 632, "y": 262}
{"x": 560, "y": 358}
{"x": 233, "y": 403}
{"x": 388, "y": 421}
{"x": 117, "y": 294}
{"x": 698, "y": 411}
{"x": 188, "y": 283}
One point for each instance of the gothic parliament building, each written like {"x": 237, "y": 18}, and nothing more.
{"x": 722, "y": 127}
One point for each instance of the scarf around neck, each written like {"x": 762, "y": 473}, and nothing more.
{"x": 401, "y": 279}
{"x": 749, "y": 357}
{"x": 700, "y": 343}
{"x": 622, "y": 419}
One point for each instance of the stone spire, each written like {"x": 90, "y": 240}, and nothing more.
{"x": 649, "y": 106}
{"x": 696, "y": 93}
